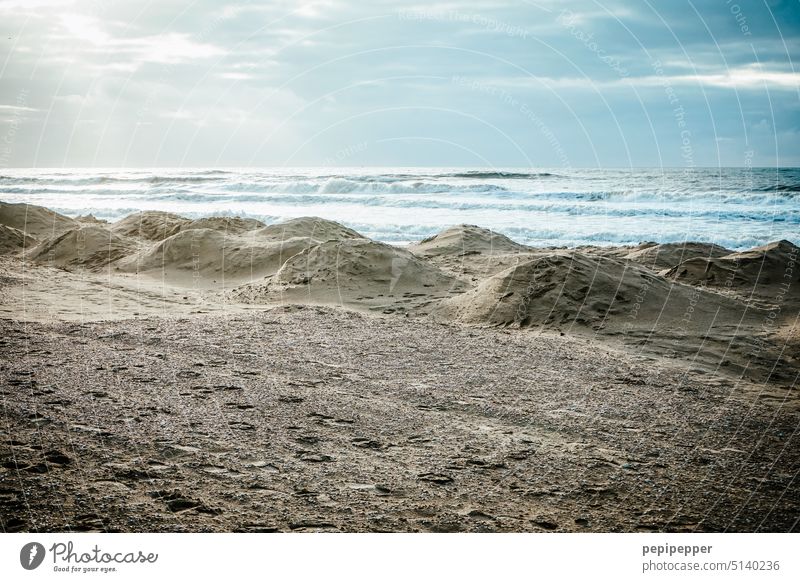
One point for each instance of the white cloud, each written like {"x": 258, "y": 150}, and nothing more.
{"x": 16, "y": 108}
{"x": 741, "y": 78}
{"x": 233, "y": 76}
{"x": 31, "y": 7}
{"x": 745, "y": 77}
{"x": 129, "y": 53}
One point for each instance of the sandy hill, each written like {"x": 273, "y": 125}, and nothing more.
{"x": 228, "y": 224}
{"x": 466, "y": 239}
{"x": 87, "y": 246}
{"x": 13, "y": 240}
{"x": 628, "y": 304}
{"x": 471, "y": 253}
{"x": 311, "y": 227}
{"x": 758, "y": 270}
{"x": 561, "y": 288}
{"x": 150, "y": 225}
{"x": 34, "y": 220}
{"x": 665, "y": 256}
{"x": 90, "y": 219}
{"x": 356, "y": 273}
{"x": 205, "y": 257}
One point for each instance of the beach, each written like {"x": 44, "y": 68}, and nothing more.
{"x": 166, "y": 373}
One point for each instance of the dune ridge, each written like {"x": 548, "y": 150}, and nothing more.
{"x": 665, "y": 256}
{"x": 723, "y": 310}
{"x": 757, "y": 271}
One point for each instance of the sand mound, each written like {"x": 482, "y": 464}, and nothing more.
{"x": 90, "y": 219}
{"x": 555, "y": 288}
{"x": 358, "y": 273}
{"x": 665, "y": 256}
{"x": 345, "y": 263}
{"x": 756, "y": 270}
{"x": 150, "y": 225}
{"x": 466, "y": 239}
{"x": 203, "y": 256}
{"x": 13, "y": 240}
{"x": 34, "y": 220}
{"x": 229, "y": 224}
{"x": 309, "y": 227}
{"x": 87, "y": 246}
{"x": 563, "y": 288}
{"x": 208, "y": 251}
{"x": 580, "y": 293}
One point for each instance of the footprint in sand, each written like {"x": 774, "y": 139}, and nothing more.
{"x": 365, "y": 443}
{"x": 436, "y": 478}
{"x": 310, "y": 457}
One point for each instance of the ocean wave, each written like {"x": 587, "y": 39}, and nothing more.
{"x": 535, "y": 207}
{"x": 497, "y": 175}
{"x": 781, "y": 188}
{"x": 348, "y": 186}
{"x": 87, "y": 181}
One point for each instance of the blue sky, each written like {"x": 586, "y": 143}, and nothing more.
{"x": 350, "y": 83}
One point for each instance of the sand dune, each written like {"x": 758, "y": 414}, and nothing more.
{"x": 34, "y": 221}
{"x": 150, "y": 225}
{"x": 86, "y": 246}
{"x": 227, "y": 224}
{"x": 355, "y": 273}
{"x": 466, "y": 239}
{"x": 233, "y": 250}
{"x": 311, "y": 227}
{"x": 90, "y": 219}
{"x": 757, "y": 271}
{"x": 471, "y": 253}
{"x": 206, "y": 257}
{"x": 13, "y": 240}
{"x": 665, "y": 256}
{"x": 630, "y": 306}
{"x": 465, "y": 275}
{"x": 564, "y": 288}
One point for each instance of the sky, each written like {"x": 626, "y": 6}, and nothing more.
{"x": 490, "y": 83}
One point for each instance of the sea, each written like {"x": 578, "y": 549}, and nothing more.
{"x": 737, "y": 208}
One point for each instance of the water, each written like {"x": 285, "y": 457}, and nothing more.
{"x": 734, "y": 207}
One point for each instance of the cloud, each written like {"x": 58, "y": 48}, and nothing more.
{"x": 253, "y": 76}
{"x": 15, "y": 108}
{"x": 129, "y": 53}
{"x": 748, "y": 77}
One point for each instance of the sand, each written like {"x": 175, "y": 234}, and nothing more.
{"x": 13, "y": 240}
{"x": 151, "y": 225}
{"x": 167, "y": 374}
{"x": 88, "y": 246}
{"x": 208, "y": 258}
{"x": 355, "y": 273}
{"x": 665, "y": 256}
{"x": 759, "y": 271}
{"x": 466, "y": 239}
{"x": 34, "y": 221}
{"x": 311, "y": 227}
